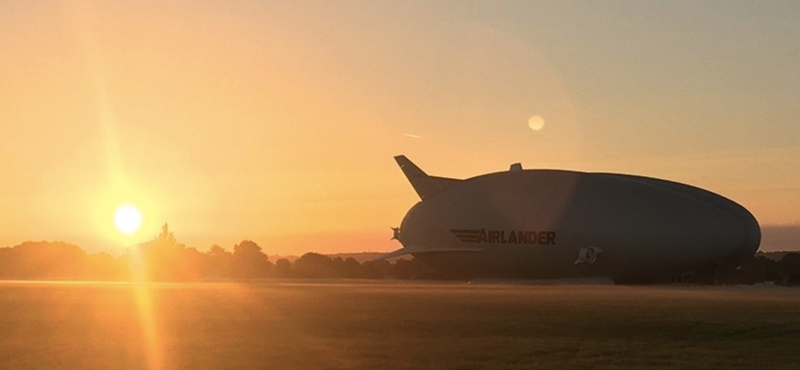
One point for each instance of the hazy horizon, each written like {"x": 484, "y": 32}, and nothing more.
{"x": 774, "y": 238}
{"x": 277, "y": 121}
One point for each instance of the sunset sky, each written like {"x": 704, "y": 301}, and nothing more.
{"x": 277, "y": 121}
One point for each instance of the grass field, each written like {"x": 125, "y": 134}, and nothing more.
{"x": 368, "y": 325}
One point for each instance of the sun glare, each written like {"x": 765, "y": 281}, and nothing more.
{"x": 128, "y": 219}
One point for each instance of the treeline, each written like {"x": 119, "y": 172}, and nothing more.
{"x": 760, "y": 269}
{"x": 164, "y": 259}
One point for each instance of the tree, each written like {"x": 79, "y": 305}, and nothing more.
{"x": 350, "y": 268}
{"x": 283, "y": 268}
{"x": 102, "y": 266}
{"x": 313, "y": 265}
{"x": 249, "y": 261}
{"x": 789, "y": 269}
{"x": 375, "y": 269}
{"x": 219, "y": 262}
{"x": 164, "y": 259}
{"x": 758, "y": 269}
{"x": 43, "y": 260}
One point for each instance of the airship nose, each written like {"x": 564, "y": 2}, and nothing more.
{"x": 750, "y": 241}
{"x": 752, "y": 236}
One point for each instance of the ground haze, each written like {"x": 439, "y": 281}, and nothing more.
{"x": 387, "y": 325}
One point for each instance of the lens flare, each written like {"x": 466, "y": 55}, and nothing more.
{"x": 536, "y": 123}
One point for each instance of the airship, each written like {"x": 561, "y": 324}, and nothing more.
{"x": 562, "y": 224}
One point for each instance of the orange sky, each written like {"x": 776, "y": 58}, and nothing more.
{"x": 277, "y": 121}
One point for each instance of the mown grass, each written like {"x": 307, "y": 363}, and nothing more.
{"x": 361, "y": 325}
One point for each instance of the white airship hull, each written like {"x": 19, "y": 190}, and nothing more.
{"x": 563, "y": 224}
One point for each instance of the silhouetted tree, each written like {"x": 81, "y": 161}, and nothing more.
{"x": 43, "y": 260}
{"x": 350, "y": 268}
{"x": 758, "y": 269}
{"x": 249, "y": 261}
{"x": 219, "y": 263}
{"x": 313, "y": 265}
{"x": 102, "y": 266}
{"x": 788, "y": 268}
{"x": 164, "y": 259}
{"x": 283, "y": 268}
{"x": 6, "y": 256}
{"x": 375, "y": 269}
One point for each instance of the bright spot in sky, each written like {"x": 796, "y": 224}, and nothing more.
{"x": 127, "y": 218}
{"x": 536, "y": 123}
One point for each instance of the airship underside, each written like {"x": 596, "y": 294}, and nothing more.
{"x": 564, "y": 224}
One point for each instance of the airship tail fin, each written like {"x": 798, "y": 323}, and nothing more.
{"x": 423, "y": 184}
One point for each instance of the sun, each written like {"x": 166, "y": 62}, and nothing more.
{"x": 128, "y": 219}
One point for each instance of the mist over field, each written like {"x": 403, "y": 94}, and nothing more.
{"x": 395, "y": 325}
